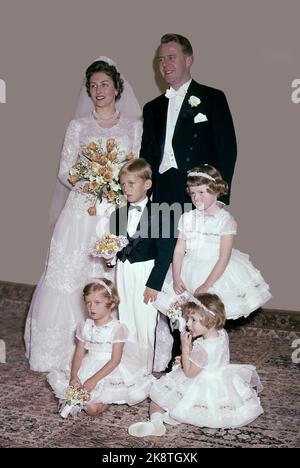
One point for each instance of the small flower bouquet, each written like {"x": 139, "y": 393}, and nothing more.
{"x": 99, "y": 166}
{"x": 176, "y": 363}
{"x": 76, "y": 398}
{"x": 175, "y": 315}
{"x": 109, "y": 245}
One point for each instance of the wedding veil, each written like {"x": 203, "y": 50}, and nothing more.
{"x": 127, "y": 104}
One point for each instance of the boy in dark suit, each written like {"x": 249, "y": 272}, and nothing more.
{"x": 142, "y": 265}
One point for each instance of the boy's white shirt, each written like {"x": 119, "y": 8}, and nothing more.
{"x": 134, "y": 216}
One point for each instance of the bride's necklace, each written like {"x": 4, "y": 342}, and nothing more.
{"x": 111, "y": 117}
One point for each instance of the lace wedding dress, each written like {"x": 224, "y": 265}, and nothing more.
{"x": 57, "y": 304}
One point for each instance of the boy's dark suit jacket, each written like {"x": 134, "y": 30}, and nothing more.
{"x": 210, "y": 142}
{"x": 141, "y": 246}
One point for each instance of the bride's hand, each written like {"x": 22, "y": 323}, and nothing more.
{"x": 73, "y": 179}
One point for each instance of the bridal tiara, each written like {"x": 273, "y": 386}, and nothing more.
{"x": 201, "y": 174}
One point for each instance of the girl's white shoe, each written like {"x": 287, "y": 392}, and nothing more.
{"x": 144, "y": 429}
{"x": 154, "y": 427}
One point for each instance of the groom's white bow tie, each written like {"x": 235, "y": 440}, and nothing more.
{"x": 171, "y": 93}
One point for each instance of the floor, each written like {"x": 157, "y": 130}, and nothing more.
{"x": 28, "y": 409}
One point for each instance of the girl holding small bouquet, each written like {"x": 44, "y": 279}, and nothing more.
{"x": 205, "y": 390}
{"x": 104, "y": 363}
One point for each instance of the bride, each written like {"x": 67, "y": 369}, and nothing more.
{"x": 57, "y": 306}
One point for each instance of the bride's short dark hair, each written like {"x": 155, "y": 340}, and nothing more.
{"x": 110, "y": 70}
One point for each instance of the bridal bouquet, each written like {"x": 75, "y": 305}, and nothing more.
{"x": 76, "y": 398}
{"x": 99, "y": 166}
{"x": 109, "y": 245}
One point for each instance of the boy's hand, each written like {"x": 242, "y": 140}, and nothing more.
{"x": 150, "y": 295}
{"x": 111, "y": 261}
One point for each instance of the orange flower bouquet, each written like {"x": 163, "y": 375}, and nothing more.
{"x": 99, "y": 166}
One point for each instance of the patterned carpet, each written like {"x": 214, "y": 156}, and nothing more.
{"x": 28, "y": 409}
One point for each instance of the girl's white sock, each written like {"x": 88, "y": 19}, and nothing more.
{"x": 157, "y": 418}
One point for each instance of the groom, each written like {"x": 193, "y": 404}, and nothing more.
{"x": 189, "y": 125}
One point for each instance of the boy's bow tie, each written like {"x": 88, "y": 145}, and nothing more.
{"x": 135, "y": 207}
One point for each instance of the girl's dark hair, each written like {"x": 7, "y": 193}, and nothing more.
{"x": 110, "y": 70}
{"x": 219, "y": 185}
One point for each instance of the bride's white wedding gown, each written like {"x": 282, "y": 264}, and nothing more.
{"x": 57, "y": 304}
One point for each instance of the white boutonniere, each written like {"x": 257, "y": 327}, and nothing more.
{"x": 194, "y": 101}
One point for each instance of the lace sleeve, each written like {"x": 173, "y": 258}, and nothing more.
{"x": 198, "y": 355}
{"x": 137, "y": 138}
{"x": 79, "y": 331}
{"x": 181, "y": 233}
{"x": 69, "y": 152}
{"x": 121, "y": 334}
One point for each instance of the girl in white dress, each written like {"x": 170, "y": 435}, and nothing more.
{"x": 206, "y": 390}
{"x": 104, "y": 361}
{"x": 56, "y": 307}
{"x": 204, "y": 260}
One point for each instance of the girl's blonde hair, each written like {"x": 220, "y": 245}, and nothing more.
{"x": 211, "y": 315}
{"x": 218, "y": 185}
{"x": 107, "y": 289}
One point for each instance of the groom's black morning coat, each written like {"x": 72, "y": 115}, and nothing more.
{"x": 210, "y": 142}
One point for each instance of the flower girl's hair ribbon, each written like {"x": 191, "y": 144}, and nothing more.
{"x": 201, "y": 174}
{"x": 102, "y": 283}
{"x": 199, "y": 303}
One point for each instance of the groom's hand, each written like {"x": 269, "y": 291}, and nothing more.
{"x": 150, "y": 295}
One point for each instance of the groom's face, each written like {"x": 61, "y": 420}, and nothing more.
{"x": 174, "y": 65}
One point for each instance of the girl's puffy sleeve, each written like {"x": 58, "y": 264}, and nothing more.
{"x": 79, "y": 331}
{"x": 182, "y": 227}
{"x": 121, "y": 334}
{"x": 198, "y": 356}
{"x": 228, "y": 226}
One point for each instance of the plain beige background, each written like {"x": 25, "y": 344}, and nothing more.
{"x": 251, "y": 50}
